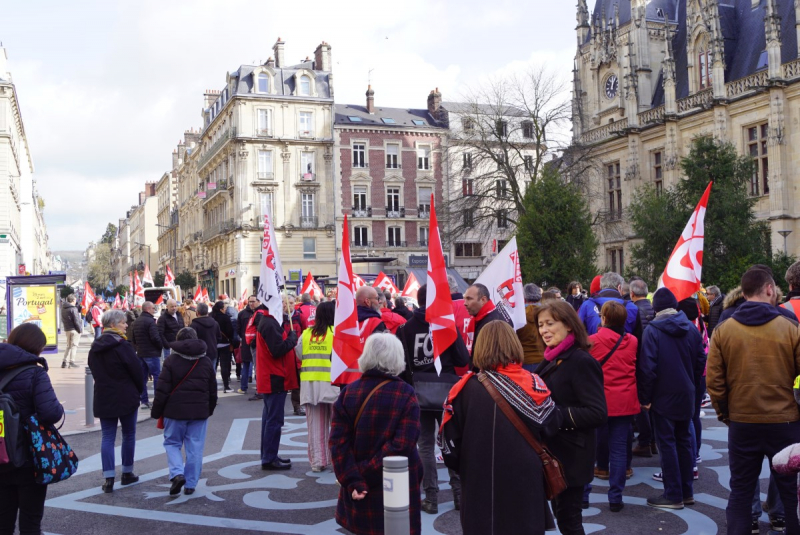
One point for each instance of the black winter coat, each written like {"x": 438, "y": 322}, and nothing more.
{"x": 646, "y": 313}
{"x": 715, "y": 313}
{"x": 207, "y": 331}
{"x": 575, "y": 380}
{"x": 196, "y": 397}
{"x": 146, "y": 338}
{"x": 71, "y": 318}
{"x": 225, "y": 327}
{"x": 491, "y": 316}
{"x": 242, "y": 321}
{"x": 31, "y": 389}
{"x": 117, "y": 374}
{"x": 168, "y": 327}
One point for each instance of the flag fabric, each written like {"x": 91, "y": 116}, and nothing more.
{"x": 438, "y": 303}
{"x": 138, "y": 290}
{"x": 147, "y": 277}
{"x": 358, "y": 281}
{"x": 271, "y": 280}
{"x": 347, "y": 345}
{"x": 311, "y": 288}
{"x": 206, "y": 298}
{"x": 685, "y": 266}
{"x": 117, "y": 302}
{"x": 88, "y": 297}
{"x": 503, "y": 278}
{"x": 125, "y": 303}
{"x": 198, "y": 295}
{"x": 169, "y": 278}
{"x": 110, "y": 287}
{"x": 383, "y": 282}
{"x": 159, "y": 300}
{"x": 411, "y": 287}
{"x": 243, "y": 300}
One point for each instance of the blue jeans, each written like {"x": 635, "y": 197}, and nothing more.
{"x": 97, "y": 332}
{"x": 699, "y": 392}
{"x": 271, "y": 423}
{"x": 150, "y": 366}
{"x": 774, "y": 504}
{"x": 108, "y": 432}
{"x": 165, "y": 353}
{"x": 191, "y": 434}
{"x": 247, "y": 369}
{"x": 644, "y": 424}
{"x": 618, "y": 451}
{"x": 677, "y": 457}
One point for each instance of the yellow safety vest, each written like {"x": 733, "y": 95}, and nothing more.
{"x": 316, "y": 365}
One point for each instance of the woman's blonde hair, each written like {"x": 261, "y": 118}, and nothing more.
{"x": 497, "y": 346}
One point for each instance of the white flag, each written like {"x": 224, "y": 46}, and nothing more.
{"x": 503, "y": 278}
{"x": 271, "y": 280}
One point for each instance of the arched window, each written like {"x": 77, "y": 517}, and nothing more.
{"x": 305, "y": 86}
{"x": 263, "y": 83}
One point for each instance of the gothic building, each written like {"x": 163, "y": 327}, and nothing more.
{"x": 651, "y": 75}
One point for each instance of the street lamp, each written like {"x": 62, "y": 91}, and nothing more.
{"x": 785, "y": 233}
{"x": 148, "y": 251}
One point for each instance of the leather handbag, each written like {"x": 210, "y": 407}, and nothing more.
{"x": 555, "y": 481}
{"x": 432, "y": 389}
{"x": 160, "y": 423}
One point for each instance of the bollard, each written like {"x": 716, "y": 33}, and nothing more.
{"x": 89, "y": 397}
{"x": 396, "y": 519}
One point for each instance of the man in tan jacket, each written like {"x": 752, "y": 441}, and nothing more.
{"x": 753, "y": 360}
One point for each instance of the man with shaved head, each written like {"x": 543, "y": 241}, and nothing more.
{"x": 147, "y": 341}
{"x": 169, "y": 323}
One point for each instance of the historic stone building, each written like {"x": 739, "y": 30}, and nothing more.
{"x": 652, "y": 75}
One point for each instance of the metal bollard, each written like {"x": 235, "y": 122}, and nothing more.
{"x": 89, "y": 390}
{"x": 396, "y": 519}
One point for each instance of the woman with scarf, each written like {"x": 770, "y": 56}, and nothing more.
{"x": 575, "y": 380}
{"x": 502, "y": 480}
{"x": 118, "y": 385}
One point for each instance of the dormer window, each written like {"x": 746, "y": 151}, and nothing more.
{"x": 305, "y": 86}
{"x": 263, "y": 83}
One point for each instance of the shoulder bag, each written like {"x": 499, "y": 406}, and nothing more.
{"x": 364, "y": 404}
{"x": 613, "y": 349}
{"x": 160, "y": 423}
{"x": 554, "y": 479}
{"x": 430, "y": 388}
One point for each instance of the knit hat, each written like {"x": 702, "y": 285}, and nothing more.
{"x": 664, "y": 299}
{"x": 595, "y": 286}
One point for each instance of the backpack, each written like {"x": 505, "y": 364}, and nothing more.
{"x": 13, "y": 450}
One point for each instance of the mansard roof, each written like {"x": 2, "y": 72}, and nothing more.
{"x": 606, "y": 7}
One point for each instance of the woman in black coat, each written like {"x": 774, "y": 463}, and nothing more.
{"x": 575, "y": 380}
{"x": 33, "y": 394}
{"x": 118, "y": 384}
{"x": 185, "y": 396}
{"x": 224, "y": 351}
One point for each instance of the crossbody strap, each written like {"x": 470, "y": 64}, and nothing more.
{"x": 613, "y": 349}
{"x": 185, "y": 376}
{"x": 8, "y": 377}
{"x": 361, "y": 410}
{"x": 510, "y": 414}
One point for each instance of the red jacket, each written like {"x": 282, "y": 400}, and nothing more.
{"x": 304, "y": 315}
{"x": 276, "y": 364}
{"x": 392, "y": 320}
{"x": 619, "y": 372}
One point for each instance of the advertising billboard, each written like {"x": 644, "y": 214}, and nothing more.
{"x": 37, "y": 305}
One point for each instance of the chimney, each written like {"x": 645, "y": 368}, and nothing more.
{"x": 434, "y": 103}
{"x": 209, "y": 98}
{"x": 322, "y": 57}
{"x": 142, "y": 197}
{"x": 370, "y": 100}
{"x": 277, "y": 50}
{"x": 175, "y": 159}
{"x": 149, "y": 189}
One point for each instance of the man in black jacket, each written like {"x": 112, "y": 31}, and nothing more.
{"x": 207, "y": 331}
{"x": 245, "y": 351}
{"x": 147, "y": 341}
{"x": 169, "y": 323}
{"x": 478, "y": 302}
{"x": 73, "y": 326}
{"x": 418, "y": 346}
{"x": 715, "y": 303}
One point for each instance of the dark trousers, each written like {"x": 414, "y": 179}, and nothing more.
{"x": 428, "y": 420}
{"x": 568, "y": 512}
{"x": 677, "y": 457}
{"x": 699, "y": 392}
{"x": 271, "y": 423}
{"x": 150, "y": 366}
{"x": 747, "y": 446}
{"x": 19, "y": 494}
{"x": 224, "y": 355}
{"x": 644, "y": 422}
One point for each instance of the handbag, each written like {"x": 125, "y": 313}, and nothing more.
{"x": 160, "y": 423}
{"x": 555, "y": 481}
{"x": 432, "y": 389}
{"x": 53, "y": 459}
{"x": 237, "y": 355}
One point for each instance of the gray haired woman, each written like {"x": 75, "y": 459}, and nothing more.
{"x": 375, "y": 417}
{"x": 118, "y": 384}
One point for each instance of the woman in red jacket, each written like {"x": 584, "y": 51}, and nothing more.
{"x": 616, "y": 351}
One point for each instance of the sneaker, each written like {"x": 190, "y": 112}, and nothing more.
{"x": 778, "y": 524}
{"x": 663, "y": 503}
{"x": 63, "y": 364}
{"x": 240, "y": 391}
{"x": 73, "y": 365}
{"x": 299, "y": 411}
{"x": 642, "y": 451}
{"x": 659, "y": 476}
{"x": 430, "y": 507}
{"x": 696, "y": 473}
{"x": 616, "y": 507}
{"x": 225, "y": 390}
{"x": 629, "y": 473}
{"x": 255, "y": 397}
{"x": 702, "y": 414}
{"x": 145, "y": 406}
{"x": 601, "y": 474}
{"x": 698, "y": 460}
{"x": 754, "y": 528}
{"x": 688, "y": 501}
{"x": 706, "y": 401}
{"x": 317, "y": 469}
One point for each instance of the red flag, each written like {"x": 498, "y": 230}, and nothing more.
{"x": 88, "y": 297}
{"x": 117, "y": 302}
{"x": 138, "y": 290}
{"x": 205, "y": 295}
{"x": 358, "y": 281}
{"x": 685, "y": 266}
{"x": 383, "y": 282}
{"x": 159, "y": 300}
{"x": 243, "y": 300}
{"x": 438, "y": 303}
{"x": 347, "y": 346}
{"x": 198, "y": 295}
{"x": 147, "y": 277}
{"x": 412, "y": 286}
{"x": 125, "y": 305}
{"x": 169, "y": 278}
{"x": 311, "y": 287}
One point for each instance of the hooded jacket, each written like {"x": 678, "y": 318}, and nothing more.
{"x": 415, "y": 336}
{"x": 672, "y": 363}
{"x": 733, "y": 300}
{"x": 752, "y": 362}
{"x": 31, "y": 389}
{"x": 391, "y": 320}
{"x": 619, "y": 371}
{"x": 71, "y": 318}
{"x": 196, "y": 397}
{"x": 117, "y": 374}
{"x": 146, "y": 338}
{"x": 208, "y": 331}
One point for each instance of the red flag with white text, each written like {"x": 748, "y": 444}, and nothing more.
{"x": 147, "y": 277}
{"x": 138, "y": 290}
{"x": 88, "y": 297}
{"x": 311, "y": 288}
{"x": 117, "y": 302}
{"x": 159, "y": 300}
{"x": 206, "y": 299}
{"x": 358, "y": 281}
{"x": 411, "y": 287}
{"x": 198, "y": 295}
{"x": 438, "y": 303}
{"x": 169, "y": 278}
{"x": 243, "y": 300}
{"x": 685, "y": 266}
{"x": 383, "y": 282}
{"x": 347, "y": 346}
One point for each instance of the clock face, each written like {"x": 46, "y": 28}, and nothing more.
{"x": 612, "y": 84}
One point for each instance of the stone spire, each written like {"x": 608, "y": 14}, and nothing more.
{"x": 717, "y": 47}
{"x": 577, "y": 100}
{"x": 668, "y": 68}
{"x": 631, "y": 86}
{"x": 772, "y": 32}
{"x": 583, "y": 22}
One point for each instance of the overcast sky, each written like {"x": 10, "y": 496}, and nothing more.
{"x": 107, "y": 88}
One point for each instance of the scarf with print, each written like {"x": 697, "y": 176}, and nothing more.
{"x": 482, "y": 313}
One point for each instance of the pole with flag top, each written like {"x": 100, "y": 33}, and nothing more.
{"x": 271, "y": 280}
{"x": 438, "y": 303}
{"x": 685, "y": 265}
{"x": 347, "y": 346}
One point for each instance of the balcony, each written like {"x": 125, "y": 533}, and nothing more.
{"x": 308, "y": 177}
{"x": 424, "y": 211}
{"x": 360, "y": 165}
{"x": 308, "y": 221}
{"x": 361, "y": 244}
{"x": 222, "y": 185}
{"x": 392, "y": 243}
{"x": 261, "y": 175}
{"x": 362, "y": 211}
{"x": 230, "y": 133}
{"x": 217, "y": 229}
{"x": 394, "y": 212}
{"x": 394, "y": 166}
{"x": 263, "y": 132}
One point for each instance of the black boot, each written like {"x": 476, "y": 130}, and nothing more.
{"x": 129, "y": 478}
{"x": 108, "y": 486}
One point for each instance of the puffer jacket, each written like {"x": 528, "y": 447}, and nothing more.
{"x": 619, "y": 371}
{"x": 71, "y": 318}
{"x": 529, "y": 337}
{"x": 715, "y": 313}
{"x": 31, "y": 389}
{"x": 196, "y": 397}
{"x": 146, "y": 338}
{"x": 117, "y": 374}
